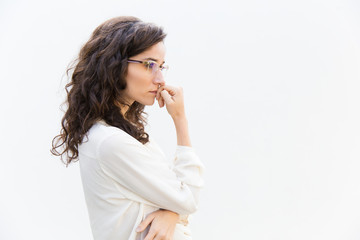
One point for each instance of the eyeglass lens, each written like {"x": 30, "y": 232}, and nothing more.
{"x": 154, "y": 67}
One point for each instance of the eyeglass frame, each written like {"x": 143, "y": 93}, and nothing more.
{"x": 161, "y": 68}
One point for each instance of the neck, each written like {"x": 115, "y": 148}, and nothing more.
{"x": 124, "y": 109}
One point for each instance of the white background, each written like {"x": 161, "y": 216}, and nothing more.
{"x": 272, "y": 98}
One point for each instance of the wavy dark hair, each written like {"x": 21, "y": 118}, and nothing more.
{"x": 94, "y": 91}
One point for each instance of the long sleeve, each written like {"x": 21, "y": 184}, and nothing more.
{"x": 146, "y": 173}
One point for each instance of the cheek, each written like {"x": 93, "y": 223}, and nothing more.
{"x": 137, "y": 81}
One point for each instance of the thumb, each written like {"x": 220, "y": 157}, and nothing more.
{"x": 168, "y": 99}
{"x": 145, "y": 223}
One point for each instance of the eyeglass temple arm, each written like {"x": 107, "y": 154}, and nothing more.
{"x": 129, "y": 60}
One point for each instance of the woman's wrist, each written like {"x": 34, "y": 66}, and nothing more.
{"x": 174, "y": 213}
{"x": 182, "y": 131}
{"x": 179, "y": 118}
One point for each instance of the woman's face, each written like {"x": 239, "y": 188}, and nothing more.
{"x": 141, "y": 83}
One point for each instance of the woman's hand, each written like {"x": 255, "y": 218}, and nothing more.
{"x": 173, "y": 97}
{"x": 162, "y": 226}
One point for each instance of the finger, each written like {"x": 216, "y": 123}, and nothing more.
{"x": 166, "y": 96}
{"x": 157, "y": 95}
{"x": 160, "y": 237}
{"x": 171, "y": 89}
{"x": 162, "y": 103}
{"x": 145, "y": 223}
{"x": 158, "y": 92}
{"x": 150, "y": 235}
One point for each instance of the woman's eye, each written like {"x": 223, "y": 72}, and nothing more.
{"x": 150, "y": 64}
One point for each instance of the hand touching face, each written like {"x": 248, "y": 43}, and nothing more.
{"x": 142, "y": 83}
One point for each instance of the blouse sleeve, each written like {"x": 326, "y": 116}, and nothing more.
{"x": 136, "y": 167}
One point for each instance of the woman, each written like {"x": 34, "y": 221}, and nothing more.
{"x": 131, "y": 190}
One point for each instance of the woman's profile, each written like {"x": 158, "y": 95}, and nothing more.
{"x": 132, "y": 191}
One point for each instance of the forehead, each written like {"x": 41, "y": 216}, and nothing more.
{"x": 155, "y": 53}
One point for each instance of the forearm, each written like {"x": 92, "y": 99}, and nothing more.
{"x": 182, "y": 131}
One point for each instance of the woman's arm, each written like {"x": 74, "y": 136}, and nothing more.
{"x": 182, "y": 131}
{"x": 147, "y": 174}
{"x": 163, "y": 222}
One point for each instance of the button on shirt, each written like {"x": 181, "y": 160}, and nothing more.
{"x": 125, "y": 180}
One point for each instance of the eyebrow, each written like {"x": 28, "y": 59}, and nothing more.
{"x": 153, "y": 59}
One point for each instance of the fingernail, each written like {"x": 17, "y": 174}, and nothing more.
{"x": 138, "y": 229}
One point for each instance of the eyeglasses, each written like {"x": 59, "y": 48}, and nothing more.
{"x": 152, "y": 66}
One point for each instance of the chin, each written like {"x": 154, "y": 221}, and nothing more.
{"x": 148, "y": 102}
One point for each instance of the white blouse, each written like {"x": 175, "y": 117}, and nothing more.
{"x": 124, "y": 181}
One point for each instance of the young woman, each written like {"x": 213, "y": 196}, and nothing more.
{"x": 131, "y": 190}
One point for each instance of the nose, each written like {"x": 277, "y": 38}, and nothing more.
{"x": 159, "y": 79}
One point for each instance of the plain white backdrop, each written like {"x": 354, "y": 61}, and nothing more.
{"x": 271, "y": 94}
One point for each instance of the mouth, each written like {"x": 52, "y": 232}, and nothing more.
{"x": 154, "y": 91}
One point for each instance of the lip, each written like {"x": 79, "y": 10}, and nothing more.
{"x": 153, "y": 92}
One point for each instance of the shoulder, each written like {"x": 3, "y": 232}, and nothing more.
{"x": 109, "y": 138}
{"x": 100, "y": 130}
{"x": 101, "y": 134}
